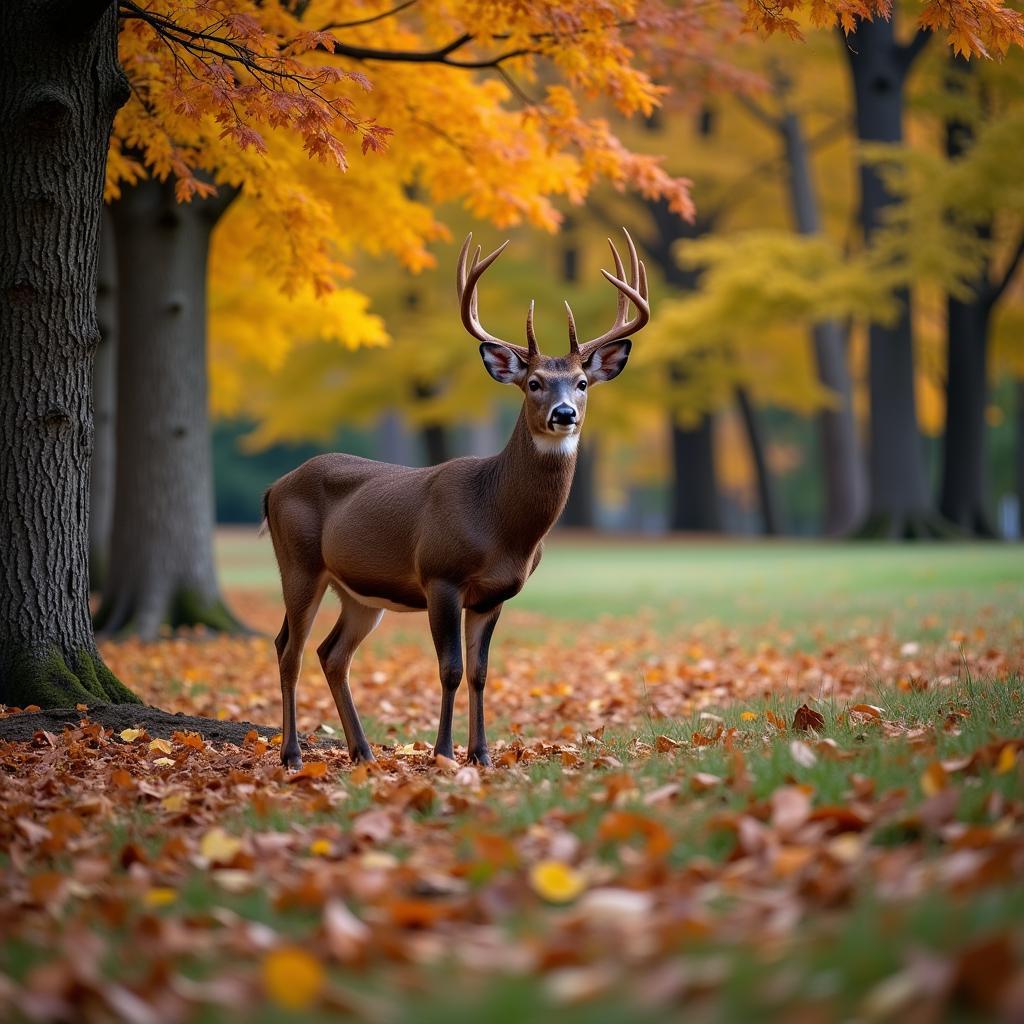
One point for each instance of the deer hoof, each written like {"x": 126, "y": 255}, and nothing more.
{"x": 291, "y": 759}
{"x": 480, "y": 757}
{"x": 362, "y": 756}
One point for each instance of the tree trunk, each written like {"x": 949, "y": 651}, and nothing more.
{"x": 842, "y": 462}
{"x": 161, "y": 556}
{"x": 580, "y": 505}
{"x": 104, "y": 403}
{"x": 60, "y": 86}
{"x": 1019, "y": 459}
{"x": 900, "y": 505}
{"x": 694, "y": 501}
{"x": 765, "y": 485}
{"x": 964, "y": 489}
{"x": 434, "y": 436}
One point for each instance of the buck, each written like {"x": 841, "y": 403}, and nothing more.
{"x": 459, "y": 537}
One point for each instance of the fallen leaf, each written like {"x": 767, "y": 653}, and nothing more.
{"x": 1007, "y": 760}
{"x": 159, "y": 896}
{"x": 218, "y": 847}
{"x": 749, "y": 716}
{"x": 292, "y": 978}
{"x": 556, "y": 881}
{"x": 802, "y": 754}
{"x": 664, "y": 744}
{"x": 934, "y": 780}
{"x": 160, "y": 746}
{"x": 807, "y": 718}
{"x": 311, "y": 770}
{"x": 131, "y": 735}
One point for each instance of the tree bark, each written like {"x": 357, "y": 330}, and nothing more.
{"x": 900, "y": 504}
{"x": 964, "y": 489}
{"x": 765, "y": 484}
{"x": 694, "y": 501}
{"x": 60, "y": 85}
{"x": 579, "y": 511}
{"x": 104, "y": 402}
{"x": 161, "y": 556}
{"x": 842, "y": 461}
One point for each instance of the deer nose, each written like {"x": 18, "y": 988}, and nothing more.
{"x": 563, "y": 415}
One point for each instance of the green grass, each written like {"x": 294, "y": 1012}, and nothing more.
{"x": 919, "y": 588}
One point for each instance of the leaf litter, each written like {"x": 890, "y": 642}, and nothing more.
{"x": 654, "y": 805}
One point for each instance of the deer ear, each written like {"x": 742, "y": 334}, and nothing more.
{"x": 608, "y": 361}
{"x": 502, "y": 363}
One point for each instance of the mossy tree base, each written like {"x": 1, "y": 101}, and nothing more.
{"x": 53, "y": 681}
{"x": 183, "y": 608}
{"x": 908, "y": 526}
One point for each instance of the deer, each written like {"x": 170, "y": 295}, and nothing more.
{"x": 456, "y": 540}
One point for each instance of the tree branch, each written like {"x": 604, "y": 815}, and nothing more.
{"x": 995, "y": 290}
{"x": 909, "y": 52}
{"x": 367, "y": 21}
{"x": 757, "y": 111}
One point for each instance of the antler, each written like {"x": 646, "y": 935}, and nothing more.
{"x": 466, "y": 280}
{"x": 635, "y": 291}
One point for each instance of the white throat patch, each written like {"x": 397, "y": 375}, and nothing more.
{"x": 555, "y": 445}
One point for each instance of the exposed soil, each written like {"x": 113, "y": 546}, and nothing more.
{"x": 159, "y": 724}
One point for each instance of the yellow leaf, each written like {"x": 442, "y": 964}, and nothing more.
{"x": 1007, "y": 760}
{"x": 293, "y": 978}
{"x": 164, "y": 762}
{"x": 131, "y": 735}
{"x": 162, "y": 746}
{"x": 320, "y": 847}
{"x": 159, "y": 896}
{"x": 934, "y": 779}
{"x": 749, "y": 716}
{"x": 174, "y": 803}
{"x": 218, "y": 847}
{"x": 556, "y": 881}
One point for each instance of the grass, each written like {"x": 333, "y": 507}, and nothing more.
{"x": 918, "y": 588}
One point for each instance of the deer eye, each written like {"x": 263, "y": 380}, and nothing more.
{"x": 535, "y": 385}
{"x": 581, "y": 386}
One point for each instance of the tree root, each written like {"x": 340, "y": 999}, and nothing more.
{"x": 50, "y": 682}
{"x": 122, "y": 617}
{"x": 907, "y": 526}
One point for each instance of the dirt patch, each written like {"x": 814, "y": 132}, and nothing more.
{"x": 159, "y": 724}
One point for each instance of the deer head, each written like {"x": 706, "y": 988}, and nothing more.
{"x": 556, "y": 387}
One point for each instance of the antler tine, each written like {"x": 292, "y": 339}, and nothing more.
{"x": 531, "y": 334}
{"x": 634, "y": 290}
{"x": 574, "y": 346}
{"x": 466, "y": 281}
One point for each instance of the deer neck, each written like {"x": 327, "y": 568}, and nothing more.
{"x": 532, "y": 485}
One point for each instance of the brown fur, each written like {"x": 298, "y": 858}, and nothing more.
{"x": 456, "y": 540}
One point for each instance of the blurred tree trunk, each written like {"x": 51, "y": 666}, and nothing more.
{"x": 767, "y": 501}
{"x": 161, "y": 554}
{"x": 841, "y": 458}
{"x": 963, "y": 494}
{"x": 104, "y": 402}
{"x": 694, "y": 502}
{"x": 60, "y": 86}
{"x": 580, "y": 506}
{"x": 434, "y": 436}
{"x": 900, "y": 504}
{"x": 1019, "y": 459}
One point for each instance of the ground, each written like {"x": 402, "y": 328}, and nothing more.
{"x": 731, "y": 779}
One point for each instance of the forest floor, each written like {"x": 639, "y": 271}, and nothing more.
{"x": 732, "y": 781}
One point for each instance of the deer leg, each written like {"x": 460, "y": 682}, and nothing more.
{"x": 354, "y": 625}
{"x": 479, "y": 627}
{"x": 301, "y": 599}
{"x": 444, "y": 609}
